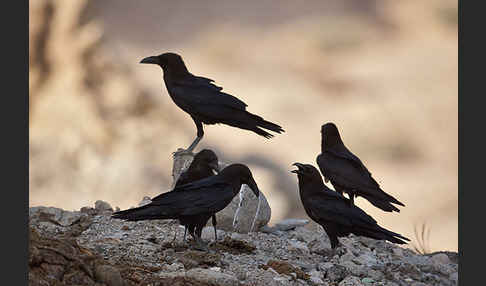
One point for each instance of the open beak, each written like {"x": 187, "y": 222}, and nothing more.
{"x": 253, "y": 186}
{"x": 298, "y": 165}
{"x": 214, "y": 166}
{"x": 150, "y": 60}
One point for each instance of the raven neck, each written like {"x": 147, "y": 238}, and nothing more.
{"x": 179, "y": 73}
{"x": 311, "y": 186}
{"x": 333, "y": 143}
{"x": 200, "y": 169}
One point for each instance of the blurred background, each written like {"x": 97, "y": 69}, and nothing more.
{"x": 103, "y": 127}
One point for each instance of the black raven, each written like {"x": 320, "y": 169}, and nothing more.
{"x": 202, "y": 166}
{"x": 204, "y": 101}
{"x": 194, "y": 203}
{"x": 333, "y": 212}
{"x": 347, "y": 173}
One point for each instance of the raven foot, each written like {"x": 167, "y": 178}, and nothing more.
{"x": 182, "y": 152}
{"x": 200, "y": 245}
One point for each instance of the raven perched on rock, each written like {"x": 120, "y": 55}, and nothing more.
{"x": 334, "y": 213}
{"x": 202, "y": 166}
{"x": 347, "y": 173}
{"x": 204, "y": 101}
{"x": 194, "y": 203}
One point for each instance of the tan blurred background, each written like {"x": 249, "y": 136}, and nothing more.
{"x": 103, "y": 127}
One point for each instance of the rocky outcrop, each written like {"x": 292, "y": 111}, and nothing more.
{"x": 90, "y": 248}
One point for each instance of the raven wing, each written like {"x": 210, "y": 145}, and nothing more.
{"x": 207, "y": 81}
{"x": 197, "y": 92}
{"x": 194, "y": 199}
{"x": 336, "y": 209}
{"x": 346, "y": 171}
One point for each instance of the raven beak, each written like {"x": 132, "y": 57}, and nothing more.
{"x": 253, "y": 186}
{"x": 150, "y": 60}
{"x": 214, "y": 166}
{"x": 299, "y": 166}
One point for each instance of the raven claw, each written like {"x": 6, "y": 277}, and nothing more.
{"x": 181, "y": 152}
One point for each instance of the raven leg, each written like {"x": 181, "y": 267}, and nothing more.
{"x": 331, "y": 232}
{"x": 198, "y": 240}
{"x": 200, "y": 243}
{"x": 350, "y": 194}
{"x": 200, "y": 134}
{"x": 351, "y": 198}
{"x": 339, "y": 191}
{"x": 191, "y": 230}
{"x": 214, "y": 225}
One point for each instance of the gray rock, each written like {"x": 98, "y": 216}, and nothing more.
{"x": 398, "y": 251}
{"x": 55, "y": 215}
{"x": 418, "y": 259}
{"x": 410, "y": 270}
{"x": 298, "y": 246}
{"x": 270, "y": 229}
{"x": 375, "y": 275}
{"x": 324, "y": 266}
{"x": 336, "y": 273}
{"x": 108, "y": 275}
{"x": 454, "y": 277}
{"x": 103, "y": 206}
{"x": 348, "y": 256}
{"x": 306, "y": 267}
{"x": 270, "y": 278}
{"x": 356, "y": 270}
{"x": 316, "y": 277}
{"x": 176, "y": 266}
{"x": 241, "y": 214}
{"x": 418, "y": 284}
{"x": 320, "y": 246}
{"x": 440, "y": 258}
{"x": 367, "y": 280}
{"x": 181, "y": 162}
{"x": 367, "y": 259}
{"x": 212, "y": 277}
{"x": 241, "y": 274}
{"x": 292, "y": 223}
{"x": 208, "y": 233}
{"x": 316, "y": 280}
{"x": 89, "y": 211}
{"x": 351, "y": 281}
{"x": 169, "y": 275}
{"x": 246, "y": 213}
{"x": 282, "y": 280}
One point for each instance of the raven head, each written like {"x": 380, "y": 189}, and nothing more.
{"x": 208, "y": 157}
{"x": 167, "y": 61}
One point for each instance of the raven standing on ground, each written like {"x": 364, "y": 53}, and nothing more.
{"x": 333, "y": 212}
{"x": 202, "y": 166}
{"x": 204, "y": 101}
{"x": 194, "y": 203}
{"x": 347, "y": 173}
